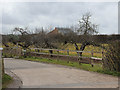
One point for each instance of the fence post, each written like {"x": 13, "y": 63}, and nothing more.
{"x": 67, "y": 51}
{"x": 24, "y": 53}
{"x": 35, "y": 50}
{"x": 91, "y": 58}
{"x": 1, "y": 56}
{"x": 102, "y": 59}
{"x": 41, "y": 50}
{"x": 51, "y": 52}
{"x": 58, "y": 55}
{"x": 1, "y": 68}
{"x": 38, "y": 50}
{"x": 68, "y": 55}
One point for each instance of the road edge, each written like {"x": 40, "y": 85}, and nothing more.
{"x": 17, "y": 82}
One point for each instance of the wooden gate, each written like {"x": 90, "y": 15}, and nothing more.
{"x": 12, "y": 52}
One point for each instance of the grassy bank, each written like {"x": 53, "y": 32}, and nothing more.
{"x": 97, "y": 68}
{"x": 6, "y": 79}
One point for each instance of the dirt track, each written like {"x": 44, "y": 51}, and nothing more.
{"x": 41, "y": 75}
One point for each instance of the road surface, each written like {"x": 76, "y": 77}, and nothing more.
{"x": 42, "y": 75}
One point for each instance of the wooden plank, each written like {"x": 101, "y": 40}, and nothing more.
{"x": 63, "y": 50}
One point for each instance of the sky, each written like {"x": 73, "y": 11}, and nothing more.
{"x": 59, "y": 14}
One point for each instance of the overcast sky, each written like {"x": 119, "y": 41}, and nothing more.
{"x": 56, "y": 14}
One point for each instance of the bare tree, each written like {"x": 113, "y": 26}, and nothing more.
{"x": 25, "y": 37}
{"x": 9, "y": 38}
{"x": 42, "y": 39}
{"x": 86, "y": 27}
{"x": 86, "y": 30}
{"x": 5, "y": 40}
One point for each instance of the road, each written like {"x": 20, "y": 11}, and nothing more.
{"x": 42, "y": 75}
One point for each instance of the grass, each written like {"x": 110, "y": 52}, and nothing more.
{"x": 97, "y": 68}
{"x": 6, "y": 79}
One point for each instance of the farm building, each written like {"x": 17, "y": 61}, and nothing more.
{"x": 62, "y": 31}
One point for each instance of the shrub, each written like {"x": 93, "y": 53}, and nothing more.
{"x": 111, "y": 58}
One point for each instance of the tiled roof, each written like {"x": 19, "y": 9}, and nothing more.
{"x": 63, "y": 30}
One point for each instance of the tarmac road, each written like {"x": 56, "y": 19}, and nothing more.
{"x": 42, "y": 75}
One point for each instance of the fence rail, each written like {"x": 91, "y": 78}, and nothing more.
{"x": 56, "y": 53}
{"x": 12, "y": 51}
{"x": 65, "y": 50}
{"x": 40, "y": 51}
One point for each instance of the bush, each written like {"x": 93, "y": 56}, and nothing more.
{"x": 111, "y": 58}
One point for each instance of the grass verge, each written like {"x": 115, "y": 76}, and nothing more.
{"x": 6, "y": 79}
{"x": 97, "y": 68}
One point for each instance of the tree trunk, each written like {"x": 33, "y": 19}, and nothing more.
{"x": 76, "y": 47}
{"x": 84, "y": 44}
{"x": 81, "y": 48}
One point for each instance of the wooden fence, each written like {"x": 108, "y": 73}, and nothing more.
{"x": 68, "y": 55}
{"x": 9, "y": 52}
{"x": 65, "y": 52}
{"x": 65, "y": 55}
